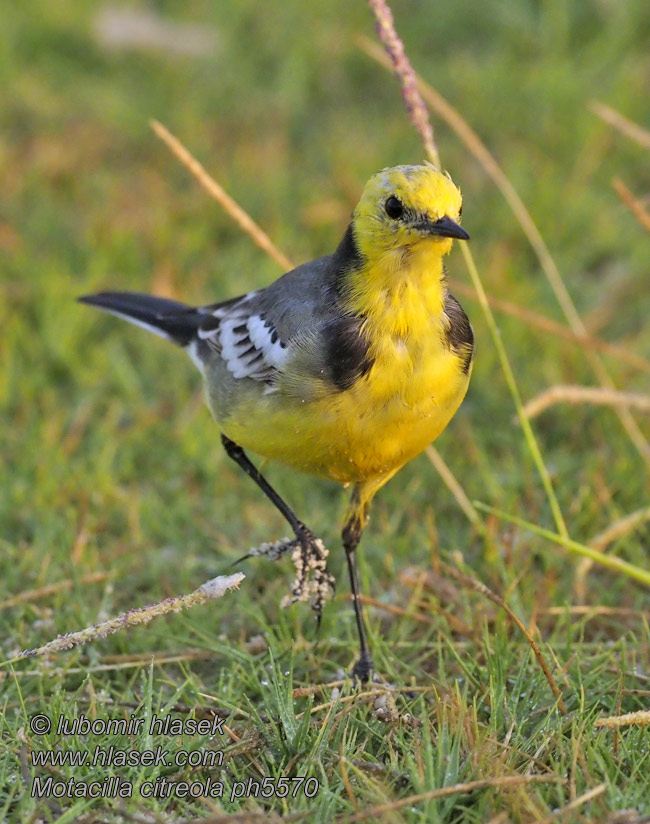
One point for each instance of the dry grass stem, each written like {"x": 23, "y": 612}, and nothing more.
{"x": 393, "y": 610}
{"x": 50, "y": 589}
{"x": 158, "y": 659}
{"x": 600, "y": 543}
{"x": 358, "y": 696}
{"x": 477, "y": 586}
{"x": 641, "y": 718}
{"x": 627, "y": 127}
{"x": 454, "y": 622}
{"x": 552, "y": 327}
{"x": 595, "y": 611}
{"x": 345, "y": 779}
{"x": 215, "y": 588}
{"x": 502, "y": 782}
{"x": 473, "y": 142}
{"x": 241, "y": 218}
{"x": 634, "y": 204}
{"x": 594, "y": 395}
{"x": 456, "y": 490}
{"x": 408, "y": 79}
{"x": 620, "y": 528}
{"x": 573, "y": 805}
{"x": 252, "y": 761}
{"x": 422, "y": 618}
{"x": 304, "y": 692}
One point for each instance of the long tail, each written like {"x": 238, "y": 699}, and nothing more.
{"x": 170, "y": 319}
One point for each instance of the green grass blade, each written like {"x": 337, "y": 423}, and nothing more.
{"x": 610, "y": 561}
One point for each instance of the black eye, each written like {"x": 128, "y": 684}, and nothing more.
{"x": 460, "y": 211}
{"x": 394, "y": 208}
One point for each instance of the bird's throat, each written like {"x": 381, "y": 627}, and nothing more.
{"x": 400, "y": 294}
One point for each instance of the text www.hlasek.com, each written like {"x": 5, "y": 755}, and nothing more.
{"x": 112, "y": 756}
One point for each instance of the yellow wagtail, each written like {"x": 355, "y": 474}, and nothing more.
{"x": 344, "y": 368}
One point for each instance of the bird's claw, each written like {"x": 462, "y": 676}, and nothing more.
{"x": 242, "y": 559}
{"x": 364, "y": 669}
{"x": 313, "y": 579}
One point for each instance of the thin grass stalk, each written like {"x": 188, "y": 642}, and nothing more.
{"x": 573, "y": 805}
{"x": 623, "y": 124}
{"x": 402, "y": 67}
{"x": 215, "y": 588}
{"x": 531, "y": 441}
{"x": 633, "y": 203}
{"x": 456, "y": 490}
{"x": 228, "y": 204}
{"x": 594, "y": 395}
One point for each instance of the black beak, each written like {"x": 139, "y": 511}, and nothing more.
{"x": 444, "y": 227}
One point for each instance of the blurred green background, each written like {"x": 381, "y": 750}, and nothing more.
{"x": 110, "y": 461}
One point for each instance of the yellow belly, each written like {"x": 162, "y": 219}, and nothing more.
{"x": 369, "y": 430}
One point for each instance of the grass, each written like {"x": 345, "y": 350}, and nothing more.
{"x": 115, "y": 492}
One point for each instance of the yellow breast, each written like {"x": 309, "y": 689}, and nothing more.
{"x": 387, "y": 417}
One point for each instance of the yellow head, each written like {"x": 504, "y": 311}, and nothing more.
{"x": 404, "y": 206}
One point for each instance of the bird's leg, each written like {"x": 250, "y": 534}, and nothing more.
{"x": 353, "y": 526}
{"x": 352, "y": 530}
{"x": 309, "y": 554}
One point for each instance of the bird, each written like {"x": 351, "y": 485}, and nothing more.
{"x": 344, "y": 368}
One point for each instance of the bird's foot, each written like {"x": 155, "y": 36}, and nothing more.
{"x": 313, "y": 580}
{"x": 364, "y": 669}
{"x": 309, "y": 555}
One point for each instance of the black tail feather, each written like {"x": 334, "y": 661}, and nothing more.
{"x": 169, "y": 318}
